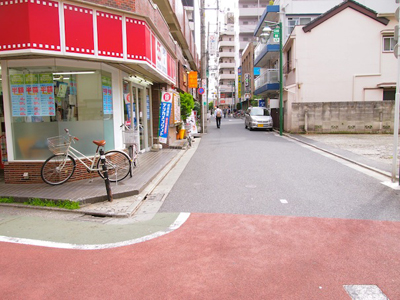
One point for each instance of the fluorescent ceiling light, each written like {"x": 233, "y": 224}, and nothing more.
{"x": 74, "y": 73}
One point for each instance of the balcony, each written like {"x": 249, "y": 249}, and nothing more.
{"x": 271, "y": 14}
{"x": 226, "y": 43}
{"x": 250, "y": 12}
{"x": 226, "y": 54}
{"x": 226, "y": 76}
{"x": 267, "y": 82}
{"x": 226, "y": 65}
{"x": 264, "y": 53}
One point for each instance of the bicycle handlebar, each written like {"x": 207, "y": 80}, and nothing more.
{"x": 70, "y": 136}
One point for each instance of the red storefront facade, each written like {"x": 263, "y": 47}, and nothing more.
{"x": 99, "y": 58}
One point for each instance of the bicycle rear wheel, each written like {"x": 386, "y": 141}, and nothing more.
{"x": 118, "y": 165}
{"x": 57, "y": 169}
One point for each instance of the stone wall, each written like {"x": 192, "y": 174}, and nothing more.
{"x": 343, "y": 117}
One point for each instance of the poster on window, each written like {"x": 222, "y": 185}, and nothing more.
{"x": 148, "y": 106}
{"x": 107, "y": 95}
{"x": 18, "y": 100}
{"x": 161, "y": 62}
{"x": 46, "y": 95}
{"x": 32, "y": 95}
{"x": 165, "y": 116}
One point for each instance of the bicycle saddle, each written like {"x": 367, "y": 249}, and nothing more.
{"x": 100, "y": 143}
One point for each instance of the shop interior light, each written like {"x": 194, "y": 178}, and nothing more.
{"x": 74, "y": 73}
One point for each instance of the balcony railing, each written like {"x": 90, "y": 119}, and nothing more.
{"x": 270, "y": 76}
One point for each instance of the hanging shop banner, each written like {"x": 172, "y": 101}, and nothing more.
{"x": 32, "y": 95}
{"x": 193, "y": 80}
{"x": 165, "y": 116}
{"x": 107, "y": 95}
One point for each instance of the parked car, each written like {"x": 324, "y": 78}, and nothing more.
{"x": 258, "y": 117}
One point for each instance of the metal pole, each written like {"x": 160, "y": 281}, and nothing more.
{"x": 203, "y": 59}
{"x": 396, "y": 124}
{"x": 280, "y": 80}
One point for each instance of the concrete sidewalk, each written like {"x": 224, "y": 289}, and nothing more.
{"x": 91, "y": 194}
{"x": 371, "y": 151}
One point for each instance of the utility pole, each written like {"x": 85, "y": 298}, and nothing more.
{"x": 203, "y": 61}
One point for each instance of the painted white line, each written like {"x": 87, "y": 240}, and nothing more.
{"x": 182, "y": 218}
{"x": 283, "y": 201}
{"x": 365, "y": 292}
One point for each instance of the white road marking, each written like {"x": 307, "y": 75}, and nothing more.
{"x": 283, "y": 201}
{"x": 365, "y": 292}
{"x": 178, "y": 222}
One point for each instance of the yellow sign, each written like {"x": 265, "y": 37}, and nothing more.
{"x": 193, "y": 79}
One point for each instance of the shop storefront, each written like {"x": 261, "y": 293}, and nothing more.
{"x": 76, "y": 78}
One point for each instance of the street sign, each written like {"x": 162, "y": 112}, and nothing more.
{"x": 193, "y": 79}
{"x": 200, "y": 91}
{"x": 276, "y": 35}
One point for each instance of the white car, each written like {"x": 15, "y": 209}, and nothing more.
{"x": 258, "y": 118}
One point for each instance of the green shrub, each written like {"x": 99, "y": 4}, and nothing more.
{"x": 67, "y": 204}
{"x": 6, "y": 200}
{"x": 187, "y": 104}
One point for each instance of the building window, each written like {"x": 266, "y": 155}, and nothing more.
{"x": 389, "y": 94}
{"x": 388, "y": 44}
{"x": 292, "y": 22}
{"x": 245, "y": 23}
{"x": 46, "y": 100}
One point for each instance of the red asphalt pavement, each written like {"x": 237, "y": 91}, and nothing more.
{"x": 214, "y": 256}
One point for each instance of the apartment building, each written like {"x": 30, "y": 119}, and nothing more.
{"x": 338, "y": 72}
{"x": 227, "y": 63}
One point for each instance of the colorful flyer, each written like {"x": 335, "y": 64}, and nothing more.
{"x": 107, "y": 95}
{"x": 32, "y": 95}
{"x": 18, "y": 98}
{"x": 165, "y": 116}
{"x": 46, "y": 95}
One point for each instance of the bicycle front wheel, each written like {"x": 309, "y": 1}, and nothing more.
{"x": 118, "y": 165}
{"x": 57, "y": 169}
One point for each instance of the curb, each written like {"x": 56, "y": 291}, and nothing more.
{"x": 384, "y": 173}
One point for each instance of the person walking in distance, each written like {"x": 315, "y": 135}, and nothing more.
{"x": 218, "y": 116}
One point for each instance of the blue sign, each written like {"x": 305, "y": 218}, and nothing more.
{"x": 165, "y": 116}
{"x": 261, "y": 103}
{"x": 201, "y": 91}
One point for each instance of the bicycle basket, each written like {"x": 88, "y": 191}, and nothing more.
{"x": 58, "y": 144}
{"x": 130, "y": 137}
{"x": 188, "y": 126}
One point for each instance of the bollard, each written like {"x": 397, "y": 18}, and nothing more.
{"x": 106, "y": 180}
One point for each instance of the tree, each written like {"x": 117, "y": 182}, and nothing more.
{"x": 187, "y": 104}
{"x": 211, "y": 105}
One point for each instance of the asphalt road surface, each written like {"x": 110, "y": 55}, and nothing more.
{"x": 269, "y": 219}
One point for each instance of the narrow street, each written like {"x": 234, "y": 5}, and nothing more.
{"x": 268, "y": 218}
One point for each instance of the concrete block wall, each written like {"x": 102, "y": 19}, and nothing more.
{"x": 343, "y": 117}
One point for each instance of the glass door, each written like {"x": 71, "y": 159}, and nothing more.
{"x": 149, "y": 123}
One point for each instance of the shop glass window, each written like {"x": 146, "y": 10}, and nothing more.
{"x": 46, "y": 100}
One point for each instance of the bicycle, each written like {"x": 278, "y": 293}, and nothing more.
{"x": 130, "y": 137}
{"x": 59, "y": 167}
{"x": 188, "y": 135}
